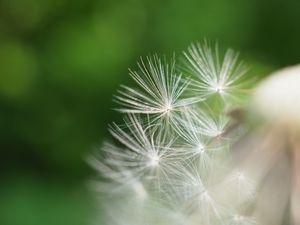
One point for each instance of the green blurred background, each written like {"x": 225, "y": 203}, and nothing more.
{"x": 62, "y": 60}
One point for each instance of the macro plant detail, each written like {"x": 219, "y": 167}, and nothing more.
{"x": 182, "y": 156}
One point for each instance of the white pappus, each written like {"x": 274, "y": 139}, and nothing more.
{"x": 169, "y": 162}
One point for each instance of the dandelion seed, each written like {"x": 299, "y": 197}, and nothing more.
{"x": 214, "y": 76}
{"x": 161, "y": 90}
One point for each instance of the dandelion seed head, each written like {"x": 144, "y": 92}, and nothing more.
{"x": 166, "y": 162}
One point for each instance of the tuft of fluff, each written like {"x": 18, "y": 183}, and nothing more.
{"x": 169, "y": 162}
{"x": 214, "y": 76}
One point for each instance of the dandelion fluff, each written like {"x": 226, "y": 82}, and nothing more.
{"x": 214, "y": 76}
{"x": 161, "y": 89}
{"x": 168, "y": 163}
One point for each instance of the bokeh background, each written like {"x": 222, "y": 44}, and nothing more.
{"x": 62, "y": 60}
